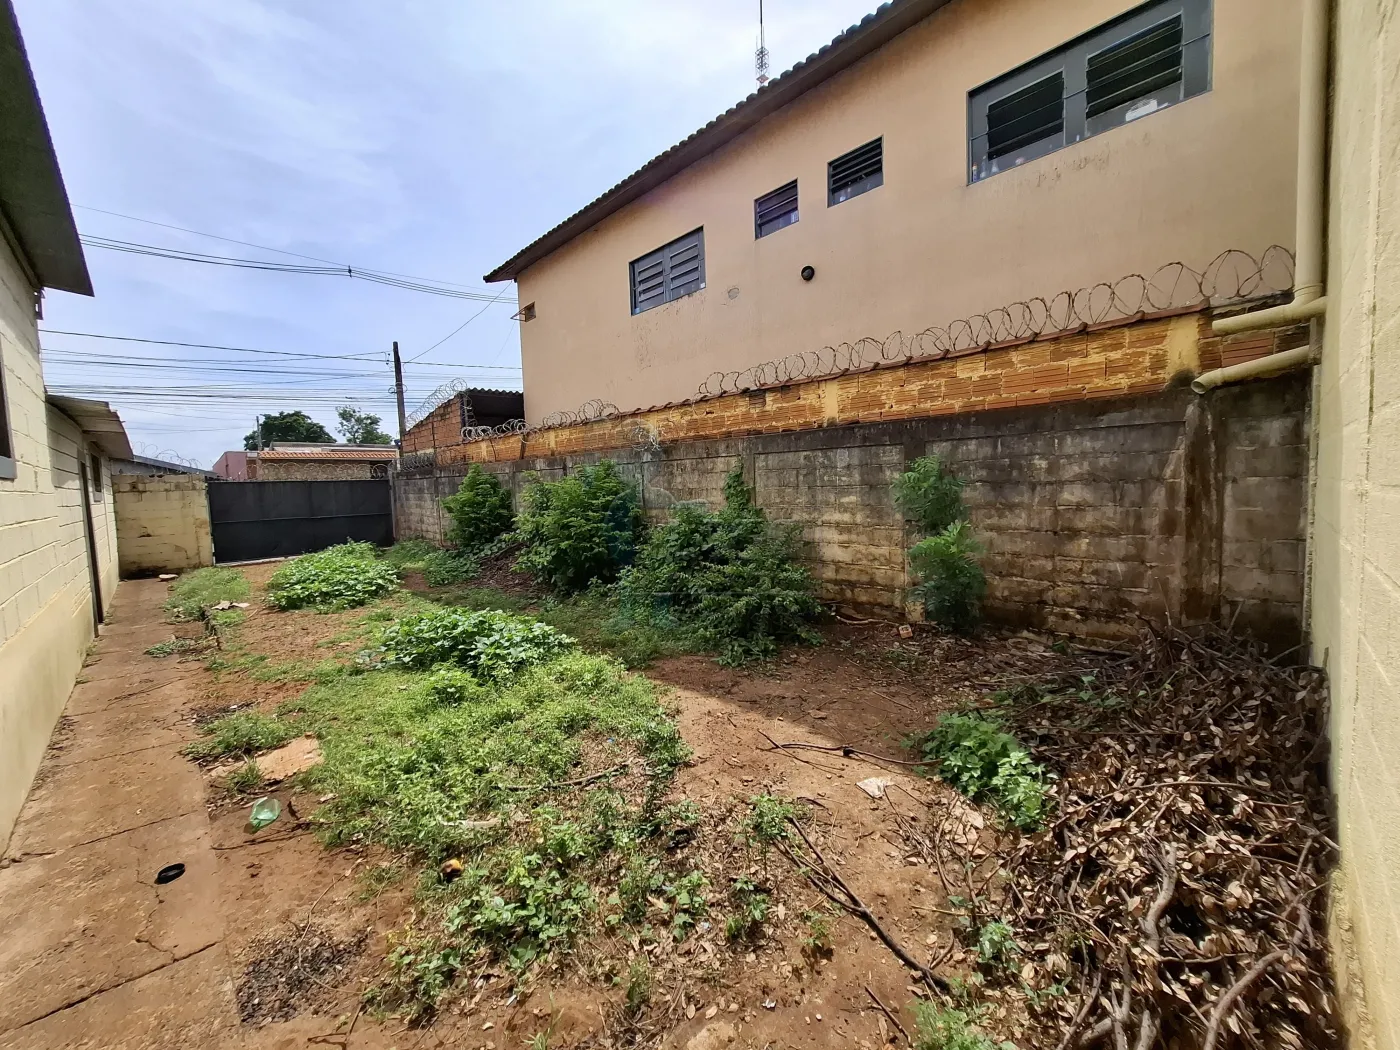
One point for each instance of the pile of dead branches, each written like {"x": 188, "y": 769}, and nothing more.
{"x": 1175, "y": 896}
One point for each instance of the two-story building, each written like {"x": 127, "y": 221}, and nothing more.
{"x": 942, "y": 160}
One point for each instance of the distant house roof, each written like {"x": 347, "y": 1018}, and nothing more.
{"x": 282, "y": 451}
{"x": 870, "y": 34}
{"x": 34, "y": 213}
{"x": 151, "y": 465}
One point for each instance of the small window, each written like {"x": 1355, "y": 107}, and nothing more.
{"x": 773, "y": 211}
{"x": 7, "y": 446}
{"x": 525, "y": 313}
{"x": 852, "y": 174}
{"x": 1153, "y": 57}
{"x": 669, "y": 273}
{"x": 95, "y": 472}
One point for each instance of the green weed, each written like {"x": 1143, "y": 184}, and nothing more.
{"x": 951, "y": 583}
{"x": 943, "y": 1028}
{"x": 750, "y": 904}
{"x": 976, "y": 755}
{"x": 930, "y": 495}
{"x": 196, "y": 591}
{"x": 491, "y": 645}
{"x": 246, "y": 779}
{"x": 440, "y": 568}
{"x": 173, "y": 646}
{"x": 580, "y": 530}
{"x": 996, "y": 945}
{"x": 339, "y": 577}
{"x": 480, "y": 511}
{"x": 731, "y": 578}
{"x": 768, "y": 819}
{"x": 241, "y": 733}
{"x": 817, "y": 940}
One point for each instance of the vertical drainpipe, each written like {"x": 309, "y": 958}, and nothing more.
{"x": 1309, "y": 287}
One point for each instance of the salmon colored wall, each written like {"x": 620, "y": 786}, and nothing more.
{"x": 1210, "y": 174}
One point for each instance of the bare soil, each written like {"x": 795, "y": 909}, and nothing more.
{"x": 865, "y": 687}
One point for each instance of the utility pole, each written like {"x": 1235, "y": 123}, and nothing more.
{"x": 398, "y": 392}
{"x": 257, "y": 429}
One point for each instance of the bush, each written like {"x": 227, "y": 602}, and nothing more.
{"x": 487, "y": 644}
{"x": 942, "y": 1028}
{"x": 451, "y": 685}
{"x": 928, "y": 494}
{"x": 951, "y": 583}
{"x": 580, "y": 530}
{"x": 440, "y": 568}
{"x": 340, "y": 577}
{"x": 730, "y": 577}
{"x": 480, "y": 511}
{"x": 983, "y": 761}
{"x": 196, "y": 591}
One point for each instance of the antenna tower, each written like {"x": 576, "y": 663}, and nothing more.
{"x": 760, "y": 56}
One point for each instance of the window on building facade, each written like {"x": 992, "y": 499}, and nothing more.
{"x": 853, "y": 173}
{"x": 95, "y": 470}
{"x": 1146, "y": 60}
{"x": 669, "y": 272}
{"x": 773, "y": 211}
{"x": 7, "y": 444}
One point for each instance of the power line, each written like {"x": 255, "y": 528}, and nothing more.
{"x": 454, "y": 331}
{"x": 278, "y": 353}
{"x": 180, "y": 255}
{"x": 250, "y": 244}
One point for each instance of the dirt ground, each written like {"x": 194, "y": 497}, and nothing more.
{"x": 285, "y": 934}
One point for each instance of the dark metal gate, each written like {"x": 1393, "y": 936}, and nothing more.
{"x": 278, "y": 519}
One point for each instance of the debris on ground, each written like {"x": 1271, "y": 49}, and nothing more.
{"x": 301, "y": 754}
{"x": 265, "y": 811}
{"x": 292, "y": 972}
{"x": 1175, "y": 894}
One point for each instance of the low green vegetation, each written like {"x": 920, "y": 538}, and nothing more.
{"x": 172, "y": 646}
{"x": 246, "y": 779}
{"x": 480, "y": 511}
{"x": 951, "y": 582}
{"x": 440, "y": 568}
{"x": 580, "y": 530}
{"x": 730, "y": 578}
{"x": 202, "y": 589}
{"x": 489, "y": 645}
{"x": 339, "y": 577}
{"x": 976, "y": 755}
{"x": 241, "y": 733}
{"x": 939, "y": 1027}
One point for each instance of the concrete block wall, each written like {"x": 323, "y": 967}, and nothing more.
{"x": 162, "y": 523}
{"x": 46, "y": 594}
{"x": 1355, "y": 543}
{"x": 1092, "y": 512}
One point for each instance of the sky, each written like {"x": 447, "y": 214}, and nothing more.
{"x": 431, "y": 138}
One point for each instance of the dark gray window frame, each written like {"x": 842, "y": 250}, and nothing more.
{"x": 1072, "y": 60}
{"x": 9, "y": 467}
{"x": 782, "y": 219}
{"x": 870, "y": 182}
{"x": 657, "y": 265}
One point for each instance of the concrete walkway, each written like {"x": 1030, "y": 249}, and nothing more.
{"x": 93, "y": 953}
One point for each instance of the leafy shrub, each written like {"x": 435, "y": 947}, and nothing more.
{"x": 731, "y": 578}
{"x": 930, "y": 495}
{"x": 440, "y": 568}
{"x": 580, "y": 530}
{"x": 943, "y": 1028}
{"x": 983, "y": 761}
{"x": 767, "y": 820}
{"x": 196, "y": 591}
{"x": 241, "y": 733}
{"x": 339, "y": 577}
{"x": 488, "y": 644}
{"x": 452, "y": 685}
{"x": 751, "y": 904}
{"x": 996, "y": 945}
{"x": 480, "y": 511}
{"x": 409, "y": 555}
{"x": 951, "y": 583}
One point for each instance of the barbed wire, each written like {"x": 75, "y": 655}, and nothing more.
{"x": 510, "y": 426}
{"x": 588, "y": 412}
{"x": 1232, "y": 276}
{"x": 439, "y": 397}
{"x": 167, "y": 455}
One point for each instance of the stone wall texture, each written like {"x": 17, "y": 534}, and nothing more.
{"x": 320, "y": 470}
{"x": 1093, "y": 511}
{"x": 162, "y": 523}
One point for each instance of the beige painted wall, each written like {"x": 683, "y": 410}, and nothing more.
{"x": 1356, "y": 527}
{"x": 162, "y": 523}
{"x": 45, "y": 596}
{"x": 1211, "y": 174}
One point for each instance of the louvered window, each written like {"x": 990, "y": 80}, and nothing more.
{"x": 669, "y": 273}
{"x": 773, "y": 211}
{"x": 1146, "y": 60}
{"x": 852, "y": 174}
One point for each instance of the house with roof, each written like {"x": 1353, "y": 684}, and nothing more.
{"x": 58, "y": 559}
{"x": 313, "y": 461}
{"x": 938, "y": 164}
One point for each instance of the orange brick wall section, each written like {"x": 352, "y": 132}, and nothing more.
{"x": 1124, "y": 358}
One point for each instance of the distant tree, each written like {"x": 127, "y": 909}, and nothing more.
{"x": 360, "y": 428}
{"x": 287, "y": 426}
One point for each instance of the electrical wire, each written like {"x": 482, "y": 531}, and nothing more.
{"x": 454, "y": 331}
{"x": 180, "y": 255}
